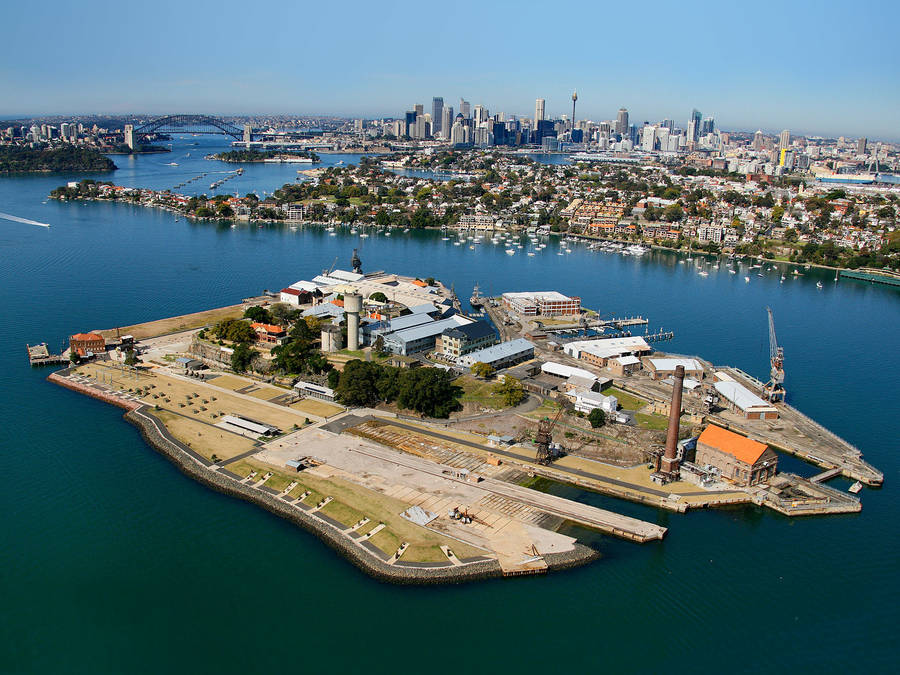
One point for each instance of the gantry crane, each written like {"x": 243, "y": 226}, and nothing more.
{"x": 775, "y": 386}
{"x": 544, "y": 437}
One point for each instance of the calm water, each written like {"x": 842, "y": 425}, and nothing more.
{"x": 112, "y": 561}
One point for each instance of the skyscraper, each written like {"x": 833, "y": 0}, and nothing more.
{"x": 419, "y": 109}
{"x": 465, "y": 108}
{"x": 784, "y": 141}
{"x": 693, "y": 134}
{"x": 480, "y": 114}
{"x": 437, "y": 114}
{"x": 538, "y": 111}
{"x": 622, "y": 121}
{"x": 861, "y": 145}
{"x": 759, "y": 141}
{"x": 446, "y": 121}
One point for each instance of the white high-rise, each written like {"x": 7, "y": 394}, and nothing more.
{"x": 539, "y": 110}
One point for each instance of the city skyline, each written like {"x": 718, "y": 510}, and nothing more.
{"x": 738, "y": 68}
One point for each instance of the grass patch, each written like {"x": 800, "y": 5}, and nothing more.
{"x": 478, "y": 391}
{"x": 626, "y": 400}
{"x": 278, "y": 482}
{"x": 417, "y": 553}
{"x": 387, "y": 541}
{"x": 342, "y": 513}
{"x": 654, "y": 422}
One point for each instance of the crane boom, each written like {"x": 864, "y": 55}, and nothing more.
{"x": 775, "y": 386}
{"x": 544, "y": 437}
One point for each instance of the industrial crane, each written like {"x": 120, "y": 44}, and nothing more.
{"x": 544, "y": 437}
{"x": 775, "y": 386}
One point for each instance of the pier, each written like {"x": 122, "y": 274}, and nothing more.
{"x": 39, "y": 355}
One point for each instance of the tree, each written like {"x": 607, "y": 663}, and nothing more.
{"x": 241, "y": 357}
{"x": 131, "y": 358}
{"x": 235, "y": 330}
{"x": 281, "y": 312}
{"x": 510, "y": 390}
{"x": 334, "y": 376}
{"x": 378, "y": 296}
{"x": 597, "y": 418}
{"x": 258, "y": 314}
{"x": 429, "y": 391}
{"x": 481, "y": 369}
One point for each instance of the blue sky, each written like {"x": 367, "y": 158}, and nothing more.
{"x": 825, "y": 67}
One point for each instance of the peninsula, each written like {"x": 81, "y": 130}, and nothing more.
{"x": 414, "y": 438}
{"x": 20, "y": 159}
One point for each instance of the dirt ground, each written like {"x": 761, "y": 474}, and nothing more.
{"x": 612, "y": 443}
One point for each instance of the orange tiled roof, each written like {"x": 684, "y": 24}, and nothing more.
{"x": 741, "y": 447}
{"x": 86, "y": 337}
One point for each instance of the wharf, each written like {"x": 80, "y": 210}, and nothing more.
{"x": 871, "y": 276}
{"x": 39, "y": 355}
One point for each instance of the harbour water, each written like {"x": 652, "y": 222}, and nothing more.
{"x": 112, "y": 561}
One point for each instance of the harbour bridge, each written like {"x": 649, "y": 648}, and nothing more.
{"x": 195, "y": 124}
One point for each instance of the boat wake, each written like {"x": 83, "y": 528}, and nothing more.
{"x": 23, "y": 220}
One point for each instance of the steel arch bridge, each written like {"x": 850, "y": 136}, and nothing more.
{"x": 197, "y": 124}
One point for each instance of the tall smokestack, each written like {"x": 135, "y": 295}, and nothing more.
{"x": 669, "y": 462}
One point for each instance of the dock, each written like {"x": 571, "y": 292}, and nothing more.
{"x": 872, "y": 276}
{"x": 39, "y": 355}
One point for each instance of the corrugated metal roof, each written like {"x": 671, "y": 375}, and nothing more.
{"x": 503, "y": 350}
{"x": 742, "y": 397}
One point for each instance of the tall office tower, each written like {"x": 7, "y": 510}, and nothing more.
{"x": 437, "y": 114}
{"x": 65, "y": 130}
{"x": 465, "y": 108}
{"x": 668, "y": 124}
{"x": 648, "y": 138}
{"x": 410, "y": 122}
{"x": 784, "y": 140}
{"x": 759, "y": 142}
{"x": 419, "y": 109}
{"x": 429, "y": 125}
{"x": 708, "y": 126}
{"x": 694, "y": 131}
{"x": 861, "y": 145}
{"x": 419, "y": 128}
{"x": 446, "y": 121}
{"x": 538, "y": 111}
{"x": 479, "y": 114}
{"x": 622, "y": 121}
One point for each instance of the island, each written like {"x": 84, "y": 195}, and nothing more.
{"x": 22, "y": 159}
{"x": 420, "y": 441}
{"x": 275, "y": 156}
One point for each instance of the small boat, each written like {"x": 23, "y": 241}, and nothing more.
{"x": 747, "y": 279}
{"x": 703, "y": 273}
{"x": 531, "y": 253}
{"x": 172, "y": 164}
{"x": 510, "y": 251}
{"x": 457, "y": 243}
{"x": 445, "y": 238}
{"x": 819, "y": 284}
{"x": 732, "y": 271}
{"x": 855, "y": 488}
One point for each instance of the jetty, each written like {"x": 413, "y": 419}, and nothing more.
{"x": 39, "y": 355}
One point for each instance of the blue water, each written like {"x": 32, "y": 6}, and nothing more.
{"x": 112, "y": 561}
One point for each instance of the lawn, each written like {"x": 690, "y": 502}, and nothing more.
{"x": 626, "y": 400}
{"x": 342, "y": 513}
{"x": 479, "y": 392}
{"x": 311, "y": 406}
{"x": 654, "y": 422}
{"x": 387, "y": 541}
{"x": 416, "y": 553}
{"x": 203, "y": 438}
{"x": 176, "y": 323}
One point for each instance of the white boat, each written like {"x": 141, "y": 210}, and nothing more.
{"x": 363, "y": 235}
{"x": 568, "y": 250}
{"x": 445, "y": 238}
{"x": 855, "y": 488}
{"x": 172, "y": 164}
{"x": 510, "y": 251}
{"x": 819, "y": 284}
{"x": 332, "y": 234}
{"x": 703, "y": 273}
{"x": 733, "y": 271}
{"x": 531, "y": 253}
{"x": 457, "y": 243}
{"x": 747, "y": 279}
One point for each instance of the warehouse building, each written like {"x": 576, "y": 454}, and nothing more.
{"x": 601, "y": 351}
{"x": 737, "y": 458}
{"x": 85, "y": 344}
{"x": 502, "y": 355}
{"x": 543, "y": 303}
{"x": 744, "y": 402}
{"x": 461, "y": 340}
{"x": 311, "y": 390}
{"x": 421, "y": 338}
{"x": 661, "y": 368}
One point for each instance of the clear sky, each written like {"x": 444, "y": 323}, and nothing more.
{"x": 822, "y": 66}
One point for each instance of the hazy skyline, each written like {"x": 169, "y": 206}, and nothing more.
{"x": 823, "y": 68}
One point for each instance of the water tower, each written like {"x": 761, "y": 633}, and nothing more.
{"x": 352, "y": 308}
